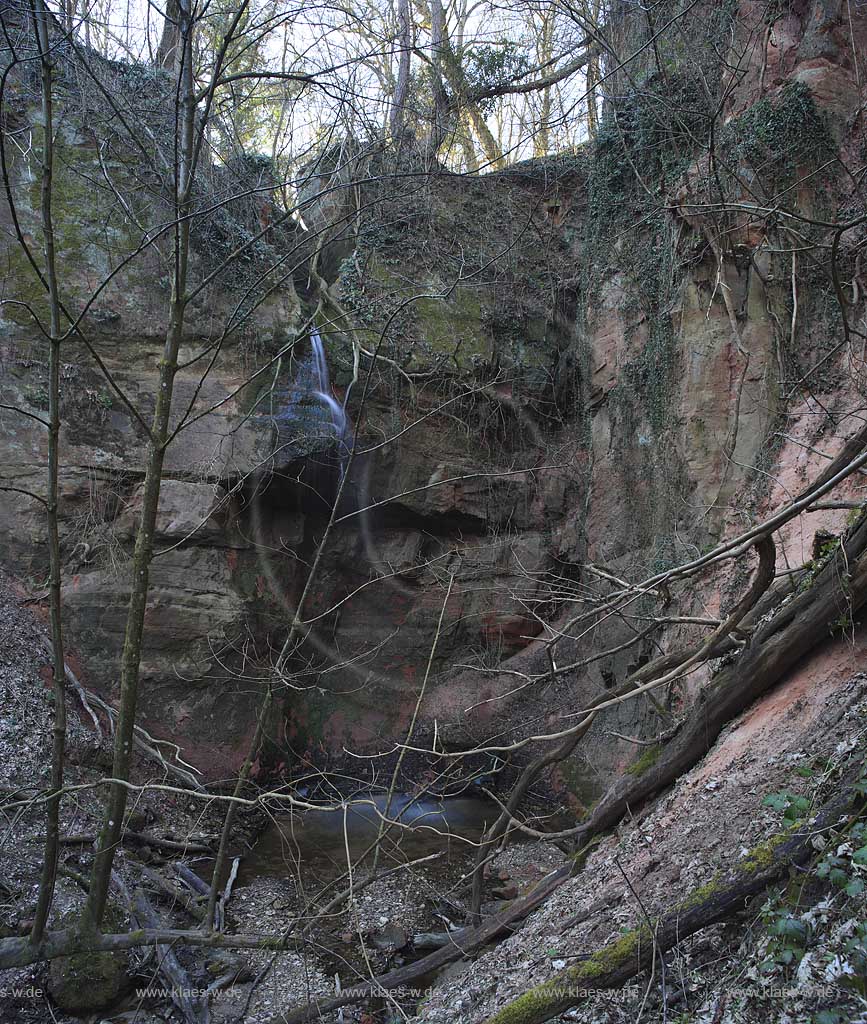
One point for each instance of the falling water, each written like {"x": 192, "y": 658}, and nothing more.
{"x": 323, "y": 393}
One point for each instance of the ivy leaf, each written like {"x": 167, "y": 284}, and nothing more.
{"x": 855, "y": 887}
{"x": 798, "y": 807}
{"x": 838, "y": 877}
{"x": 779, "y": 801}
{"x": 791, "y": 928}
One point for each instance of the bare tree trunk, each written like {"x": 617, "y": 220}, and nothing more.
{"x": 455, "y": 76}
{"x": 471, "y": 158}
{"x": 170, "y": 40}
{"x": 440, "y": 100}
{"x": 545, "y": 49}
{"x": 398, "y": 103}
{"x": 110, "y": 833}
{"x": 58, "y": 674}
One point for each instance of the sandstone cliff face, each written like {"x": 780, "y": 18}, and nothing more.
{"x": 584, "y": 375}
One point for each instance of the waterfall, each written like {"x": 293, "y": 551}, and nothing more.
{"x": 336, "y": 410}
{"x": 310, "y": 421}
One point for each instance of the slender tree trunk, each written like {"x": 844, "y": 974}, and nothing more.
{"x": 455, "y": 76}
{"x": 440, "y": 100}
{"x": 110, "y": 833}
{"x": 544, "y": 53}
{"x": 471, "y": 158}
{"x": 592, "y": 115}
{"x": 398, "y": 103}
{"x": 58, "y": 681}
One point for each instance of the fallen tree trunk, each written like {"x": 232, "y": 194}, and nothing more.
{"x": 182, "y": 993}
{"x": 839, "y": 591}
{"x": 666, "y": 664}
{"x": 462, "y": 942}
{"x": 173, "y": 893}
{"x": 141, "y": 839}
{"x": 614, "y": 964}
{"x": 776, "y": 647}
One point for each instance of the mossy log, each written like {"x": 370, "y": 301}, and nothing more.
{"x": 628, "y": 955}
{"x": 462, "y": 942}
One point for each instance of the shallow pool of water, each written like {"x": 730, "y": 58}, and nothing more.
{"x": 318, "y": 840}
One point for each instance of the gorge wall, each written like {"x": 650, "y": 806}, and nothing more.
{"x": 613, "y": 357}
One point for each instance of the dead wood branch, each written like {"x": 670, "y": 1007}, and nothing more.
{"x": 140, "y": 839}
{"x": 169, "y": 966}
{"x": 661, "y": 670}
{"x": 174, "y": 893}
{"x": 143, "y": 742}
{"x": 776, "y": 647}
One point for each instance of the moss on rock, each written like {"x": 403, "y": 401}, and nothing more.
{"x": 88, "y": 981}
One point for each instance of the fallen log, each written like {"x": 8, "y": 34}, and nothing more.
{"x": 460, "y": 943}
{"x": 436, "y": 940}
{"x": 776, "y": 646}
{"x": 648, "y": 675}
{"x": 628, "y": 955}
{"x": 193, "y": 1010}
{"x": 174, "y": 893}
{"x": 200, "y": 887}
{"x": 140, "y": 839}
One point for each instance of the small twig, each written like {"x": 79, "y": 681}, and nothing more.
{"x": 656, "y": 949}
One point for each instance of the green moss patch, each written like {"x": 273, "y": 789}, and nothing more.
{"x": 647, "y": 760}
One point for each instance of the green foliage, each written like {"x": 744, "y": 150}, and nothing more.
{"x": 779, "y": 137}
{"x": 487, "y": 66}
{"x": 788, "y": 937}
{"x": 845, "y": 866}
{"x": 792, "y": 806}
{"x": 647, "y": 760}
{"x": 833, "y": 930}
{"x": 643, "y": 144}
